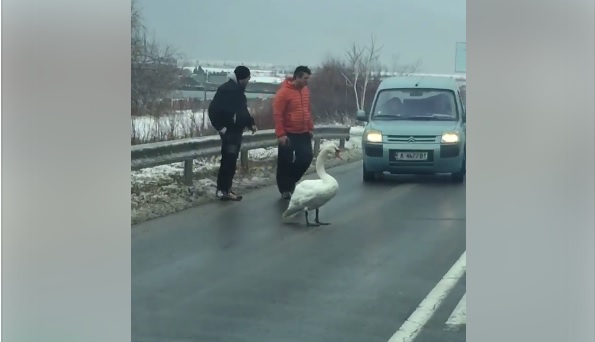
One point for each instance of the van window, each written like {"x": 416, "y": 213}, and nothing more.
{"x": 416, "y": 104}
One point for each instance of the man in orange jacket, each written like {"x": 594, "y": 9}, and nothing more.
{"x": 294, "y": 128}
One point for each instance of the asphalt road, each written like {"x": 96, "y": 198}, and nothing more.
{"x": 233, "y": 272}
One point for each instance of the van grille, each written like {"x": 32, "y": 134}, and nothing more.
{"x": 412, "y": 138}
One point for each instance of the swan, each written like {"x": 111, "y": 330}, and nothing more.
{"x": 312, "y": 194}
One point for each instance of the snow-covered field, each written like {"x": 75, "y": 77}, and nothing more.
{"x": 258, "y": 75}
{"x": 179, "y": 125}
{"x": 158, "y": 191}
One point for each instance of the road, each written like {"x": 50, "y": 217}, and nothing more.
{"x": 233, "y": 272}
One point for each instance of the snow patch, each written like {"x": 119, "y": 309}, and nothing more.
{"x": 357, "y": 130}
{"x": 158, "y": 174}
{"x": 178, "y": 125}
{"x": 262, "y": 153}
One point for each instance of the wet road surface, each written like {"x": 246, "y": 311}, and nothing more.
{"x": 233, "y": 272}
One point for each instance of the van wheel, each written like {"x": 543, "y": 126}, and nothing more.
{"x": 367, "y": 175}
{"x": 459, "y": 177}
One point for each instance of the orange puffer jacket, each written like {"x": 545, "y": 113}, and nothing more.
{"x": 291, "y": 110}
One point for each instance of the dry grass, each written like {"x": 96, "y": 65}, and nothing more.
{"x": 190, "y": 120}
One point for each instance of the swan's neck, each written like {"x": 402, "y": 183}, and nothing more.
{"x": 320, "y": 169}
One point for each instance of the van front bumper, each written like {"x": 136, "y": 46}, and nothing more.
{"x": 442, "y": 158}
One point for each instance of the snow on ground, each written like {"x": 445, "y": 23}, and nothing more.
{"x": 158, "y": 191}
{"x": 167, "y": 172}
{"x": 267, "y": 79}
{"x": 357, "y": 131}
{"x": 262, "y": 153}
{"x": 180, "y": 124}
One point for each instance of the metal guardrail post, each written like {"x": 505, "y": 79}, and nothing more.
{"x": 188, "y": 165}
{"x": 244, "y": 160}
{"x": 316, "y": 146}
{"x": 342, "y": 143}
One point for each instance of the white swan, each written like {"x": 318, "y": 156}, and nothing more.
{"x": 313, "y": 194}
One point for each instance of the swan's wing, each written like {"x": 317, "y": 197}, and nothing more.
{"x": 309, "y": 185}
{"x": 305, "y": 192}
{"x": 302, "y": 200}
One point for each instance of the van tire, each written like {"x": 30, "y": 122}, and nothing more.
{"x": 459, "y": 177}
{"x": 367, "y": 175}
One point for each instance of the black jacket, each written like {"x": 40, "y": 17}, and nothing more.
{"x": 230, "y": 101}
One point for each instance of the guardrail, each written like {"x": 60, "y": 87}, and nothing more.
{"x": 186, "y": 150}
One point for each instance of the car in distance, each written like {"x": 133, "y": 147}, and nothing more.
{"x": 417, "y": 126}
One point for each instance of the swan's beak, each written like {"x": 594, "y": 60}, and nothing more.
{"x": 338, "y": 154}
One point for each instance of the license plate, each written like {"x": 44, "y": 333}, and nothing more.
{"x": 411, "y": 155}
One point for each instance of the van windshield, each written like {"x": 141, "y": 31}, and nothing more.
{"x": 416, "y": 104}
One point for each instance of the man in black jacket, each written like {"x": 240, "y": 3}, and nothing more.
{"x": 229, "y": 115}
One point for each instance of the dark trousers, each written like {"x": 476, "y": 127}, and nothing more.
{"x": 231, "y": 142}
{"x": 289, "y": 169}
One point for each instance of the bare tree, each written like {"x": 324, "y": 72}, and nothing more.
{"x": 331, "y": 99}
{"x": 362, "y": 63}
{"x": 154, "y": 70}
{"x": 343, "y": 85}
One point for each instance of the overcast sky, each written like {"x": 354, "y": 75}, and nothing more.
{"x": 304, "y": 32}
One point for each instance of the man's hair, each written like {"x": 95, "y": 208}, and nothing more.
{"x": 241, "y": 72}
{"x": 300, "y": 71}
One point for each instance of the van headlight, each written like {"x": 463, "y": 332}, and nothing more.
{"x": 374, "y": 136}
{"x": 450, "y": 138}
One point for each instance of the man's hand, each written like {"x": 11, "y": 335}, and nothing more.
{"x": 254, "y": 129}
{"x": 222, "y": 133}
{"x": 311, "y": 134}
{"x": 283, "y": 140}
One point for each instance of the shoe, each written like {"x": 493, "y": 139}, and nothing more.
{"x": 230, "y": 196}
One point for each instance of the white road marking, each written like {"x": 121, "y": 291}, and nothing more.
{"x": 426, "y": 309}
{"x": 459, "y": 314}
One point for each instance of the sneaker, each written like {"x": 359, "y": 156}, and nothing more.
{"x": 286, "y": 195}
{"x": 230, "y": 196}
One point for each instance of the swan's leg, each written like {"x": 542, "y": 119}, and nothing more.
{"x": 318, "y": 221}
{"x": 308, "y": 224}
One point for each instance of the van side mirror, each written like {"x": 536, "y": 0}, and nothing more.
{"x": 361, "y": 115}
